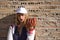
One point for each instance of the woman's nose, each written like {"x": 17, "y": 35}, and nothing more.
{"x": 20, "y": 16}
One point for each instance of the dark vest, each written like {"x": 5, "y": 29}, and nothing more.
{"x": 23, "y": 35}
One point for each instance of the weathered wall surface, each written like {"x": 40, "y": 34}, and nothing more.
{"x": 47, "y": 13}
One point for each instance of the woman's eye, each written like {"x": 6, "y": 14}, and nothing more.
{"x": 22, "y": 14}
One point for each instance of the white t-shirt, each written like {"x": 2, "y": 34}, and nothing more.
{"x": 30, "y": 36}
{"x": 10, "y": 33}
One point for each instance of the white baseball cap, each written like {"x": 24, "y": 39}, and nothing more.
{"x": 21, "y": 10}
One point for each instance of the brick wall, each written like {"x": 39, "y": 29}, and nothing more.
{"x": 47, "y": 13}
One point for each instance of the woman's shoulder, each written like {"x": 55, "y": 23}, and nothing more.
{"x": 12, "y": 25}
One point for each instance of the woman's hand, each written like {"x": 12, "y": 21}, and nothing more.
{"x": 31, "y": 22}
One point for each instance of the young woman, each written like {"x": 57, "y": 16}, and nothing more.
{"x": 25, "y": 29}
{"x": 30, "y": 26}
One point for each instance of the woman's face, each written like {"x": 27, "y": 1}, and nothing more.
{"x": 21, "y": 17}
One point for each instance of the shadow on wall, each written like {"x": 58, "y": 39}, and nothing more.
{"x": 4, "y": 25}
